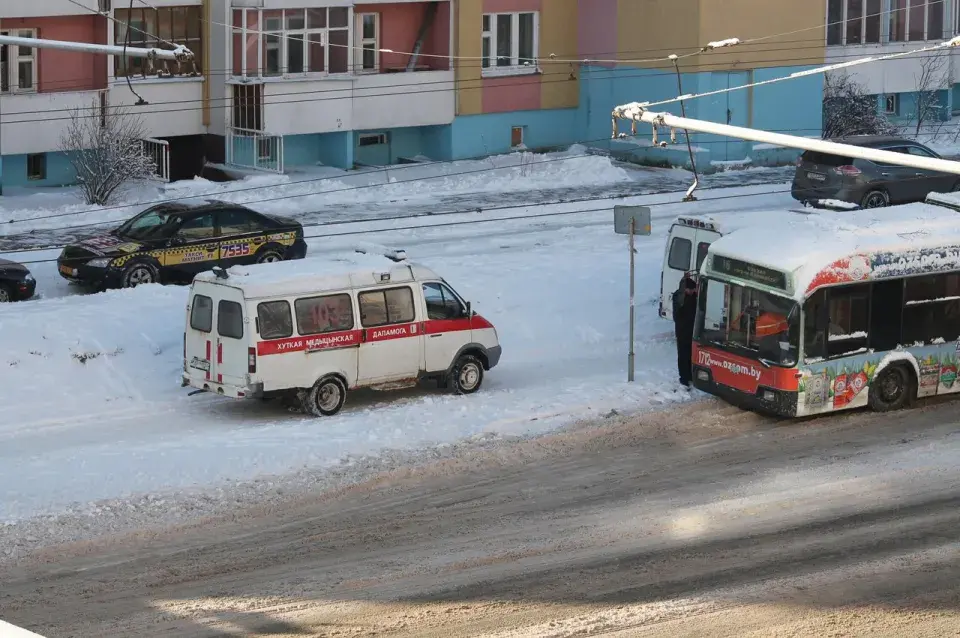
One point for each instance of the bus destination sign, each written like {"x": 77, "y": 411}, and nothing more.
{"x": 750, "y": 272}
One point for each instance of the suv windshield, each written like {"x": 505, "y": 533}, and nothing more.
{"x": 150, "y": 224}
{"x": 749, "y": 322}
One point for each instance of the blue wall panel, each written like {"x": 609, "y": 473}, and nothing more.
{"x": 489, "y": 134}
{"x": 59, "y": 171}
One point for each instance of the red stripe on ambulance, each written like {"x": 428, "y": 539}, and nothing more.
{"x": 328, "y": 341}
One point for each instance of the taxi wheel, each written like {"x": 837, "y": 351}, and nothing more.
{"x": 467, "y": 375}
{"x": 139, "y": 273}
{"x": 269, "y": 256}
{"x": 325, "y": 398}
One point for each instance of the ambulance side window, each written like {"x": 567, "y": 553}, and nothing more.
{"x": 274, "y": 319}
{"x": 679, "y": 258}
{"x": 201, "y": 314}
{"x": 383, "y": 307}
{"x": 702, "y": 249}
{"x": 230, "y": 319}
{"x": 330, "y": 313}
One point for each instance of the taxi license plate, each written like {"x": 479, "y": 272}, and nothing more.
{"x": 200, "y": 364}
{"x": 66, "y": 270}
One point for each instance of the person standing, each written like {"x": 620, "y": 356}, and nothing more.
{"x": 684, "y": 316}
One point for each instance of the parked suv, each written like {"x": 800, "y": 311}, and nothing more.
{"x": 865, "y": 183}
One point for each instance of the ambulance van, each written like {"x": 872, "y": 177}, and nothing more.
{"x": 311, "y": 330}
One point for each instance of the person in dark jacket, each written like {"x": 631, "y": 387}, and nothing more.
{"x": 684, "y": 316}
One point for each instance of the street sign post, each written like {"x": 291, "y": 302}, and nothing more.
{"x": 631, "y": 220}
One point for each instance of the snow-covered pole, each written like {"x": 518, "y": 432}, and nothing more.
{"x": 179, "y": 54}
{"x": 636, "y": 113}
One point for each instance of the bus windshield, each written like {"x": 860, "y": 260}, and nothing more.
{"x": 748, "y": 322}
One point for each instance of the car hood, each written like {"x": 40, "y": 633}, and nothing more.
{"x": 107, "y": 245}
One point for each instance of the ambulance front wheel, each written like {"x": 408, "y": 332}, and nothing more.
{"x": 467, "y": 375}
{"x": 325, "y": 398}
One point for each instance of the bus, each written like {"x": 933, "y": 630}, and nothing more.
{"x": 817, "y": 314}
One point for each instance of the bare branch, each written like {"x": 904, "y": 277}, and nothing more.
{"x": 106, "y": 152}
{"x": 849, "y": 110}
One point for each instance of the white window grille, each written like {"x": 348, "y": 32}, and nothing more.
{"x": 510, "y": 43}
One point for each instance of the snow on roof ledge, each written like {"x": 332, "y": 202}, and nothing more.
{"x": 945, "y": 199}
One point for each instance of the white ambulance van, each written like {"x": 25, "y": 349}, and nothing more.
{"x": 690, "y": 236}
{"x": 313, "y": 329}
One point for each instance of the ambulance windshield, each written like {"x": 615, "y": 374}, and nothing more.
{"x": 748, "y": 322}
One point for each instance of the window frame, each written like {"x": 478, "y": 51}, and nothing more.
{"x": 155, "y": 21}
{"x": 193, "y": 310}
{"x": 362, "y": 42}
{"x": 888, "y": 22}
{"x": 296, "y": 313}
{"x": 386, "y": 307}
{"x": 289, "y": 332}
{"x": 488, "y": 64}
{"x": 259, "y": 34}
{"x": 220, "y": 332}
{"x": 15, "y": 58}
{"x": 444, "y": 288}
{"x": 891, "y": 104}
{"x": 252, "y": 216}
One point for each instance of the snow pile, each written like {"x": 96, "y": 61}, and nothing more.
{"x": 321, "y": 190}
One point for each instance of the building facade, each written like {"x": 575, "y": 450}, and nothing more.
{"x": 286, "y": 85}
{"x": 925, "y": 86}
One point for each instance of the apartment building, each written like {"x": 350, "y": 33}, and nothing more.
{"x": 877, "y": 27}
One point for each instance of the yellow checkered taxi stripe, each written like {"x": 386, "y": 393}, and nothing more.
{"x": 212, "y": 251}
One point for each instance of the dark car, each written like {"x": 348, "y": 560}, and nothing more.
{"x": 865, "y": 183}
{"x": 172, "y": 242}
{"x": 16, "y": 282}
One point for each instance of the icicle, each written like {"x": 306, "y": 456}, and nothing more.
{"x": 633, "y": 128}
{"x": 673, "y": 136}
{"x": 613, "y": 124}
{"x": 655, "y": 142}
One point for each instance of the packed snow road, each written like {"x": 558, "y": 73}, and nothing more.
{"x": 703, "y": 520}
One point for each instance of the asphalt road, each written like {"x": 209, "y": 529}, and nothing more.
{"x": 702, "y": 520}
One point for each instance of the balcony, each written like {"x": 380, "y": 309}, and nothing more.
{"x": 48, "y": 8}
{"x": 347, "y": 68}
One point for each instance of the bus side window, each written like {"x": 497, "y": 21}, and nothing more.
{"x": 848, "y": 327}
{"x": 814, "y": 335}
{"x": 886, "y": 314}
{"x": 930, "y": 309}
{"x": 702, "y": 249}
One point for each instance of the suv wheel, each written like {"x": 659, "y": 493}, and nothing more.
{"x": 875, "y": 199}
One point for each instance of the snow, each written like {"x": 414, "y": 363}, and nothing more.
{"x": 806, "y": 245}
{"x": 319, "y": 190}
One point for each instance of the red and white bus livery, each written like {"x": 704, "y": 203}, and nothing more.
{"x": 819, "y": 313}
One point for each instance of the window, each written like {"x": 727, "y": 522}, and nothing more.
{"x": 920, "y": 152}
{"x": 891, "y": 103}
{"x": 157, "y": 28}
{"x": 516, "y": 136}
{"x": 248, "y": 107}
{"x": 201, "y": 314}
{"x": 702, "y": 249}
{"x": 848, "y": 315}
{"x": 442, "y": 303}
{"x": 230, "y": 319}
{"x": 931, "y": 309}
{"x": 912, "y": 20}
{"x": 274, "y": 320}
{"x": 198, "y": 228}
{"x": 382, "y": 307}
{"x": 679, "y": 258}
{"x": 37, "y": 166}
{"x": 854, "y": 21}
{"x": 239, "y": 221}
{"x": 368, "y": 35}
{"x": 290, "y": 42}
{"x": 371, "y": 139}
{"x": 748, "y": 322}
{"x": 509, "y": 43}
{"x": 330, "y": 313}
{"x": 18, "y": 67}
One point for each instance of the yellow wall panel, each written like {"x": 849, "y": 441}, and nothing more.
{"x": 657, "y": 28}
{"x": 746, "y": 19}
{"x": 467, "y": 23}
{"x": 559, "y": 87}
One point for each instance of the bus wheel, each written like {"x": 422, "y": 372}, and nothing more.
{"x": 325, "y": 398}
{"x": 891, "y": 389}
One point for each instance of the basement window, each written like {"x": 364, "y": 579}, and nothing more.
{"x": 372, "y": 139}
{"x": 37, "y": 166}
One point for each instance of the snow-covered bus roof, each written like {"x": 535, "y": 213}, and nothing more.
{"x": 338, "y": 271}
{"x": 809, "y": 251}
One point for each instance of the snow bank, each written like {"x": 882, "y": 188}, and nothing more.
{"x": 322, "y": 189}
{"x": 94, "y": 409}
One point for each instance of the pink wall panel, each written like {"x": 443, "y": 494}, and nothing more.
{"x": 66, "y": 70}
{"x": 518, "y": 93}
{"x": 399, "y": 27}
{"x": 597, "y": 29}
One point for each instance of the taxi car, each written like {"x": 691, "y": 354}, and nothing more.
{"x": 173, "y": 241}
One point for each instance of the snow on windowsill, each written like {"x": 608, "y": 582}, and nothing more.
{"x": 115, "y": 80}
{"x": 508, "y": 71}
{"x": 647, "y": 142}
{"x": 279, "y": 79}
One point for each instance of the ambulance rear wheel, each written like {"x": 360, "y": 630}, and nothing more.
{"x": 325, "y": 398}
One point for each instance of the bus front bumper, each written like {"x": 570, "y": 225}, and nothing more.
{"x": 766, "y": 400}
